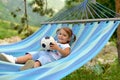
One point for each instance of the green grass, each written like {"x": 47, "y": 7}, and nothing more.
{"x": 7, "y": 31}
{"x": 110, "y": 72}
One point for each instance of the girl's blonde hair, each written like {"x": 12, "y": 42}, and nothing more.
{"x": 70, "y": 33}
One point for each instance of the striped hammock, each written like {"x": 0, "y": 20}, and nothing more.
{"x": 91, "y": 38}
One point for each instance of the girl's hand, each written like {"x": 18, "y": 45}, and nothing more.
{"x": 64, "y": 52}
{"x": 54, "y": 46}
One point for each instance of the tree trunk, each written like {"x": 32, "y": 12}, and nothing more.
{"x": 118, "y": 29}
{"x": 26, "y": 15}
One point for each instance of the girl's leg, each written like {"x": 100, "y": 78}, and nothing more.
{"x": 37, "y": 64}
{"x": 30, "y": 64}
{"x": 23, "y": 59}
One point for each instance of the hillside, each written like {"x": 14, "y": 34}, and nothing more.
{"x": 6, "y": 6}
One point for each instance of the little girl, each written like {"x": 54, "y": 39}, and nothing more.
{"x": 35, "y": 59}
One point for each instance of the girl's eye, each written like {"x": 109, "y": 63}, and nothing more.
{"x": 60, "y": 34}
{"x": 64, "y": 35}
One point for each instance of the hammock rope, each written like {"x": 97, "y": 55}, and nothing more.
{"x": 86, "y": 10}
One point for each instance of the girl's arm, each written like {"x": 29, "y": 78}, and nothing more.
{"x": 65, "y": 52}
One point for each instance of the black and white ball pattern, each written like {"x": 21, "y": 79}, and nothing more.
{"x": 46, "y": 42}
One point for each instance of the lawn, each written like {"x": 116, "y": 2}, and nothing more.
{"x": 7, "y": 31}
{"x": 110, "y": 72}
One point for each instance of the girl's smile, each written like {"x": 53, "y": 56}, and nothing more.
{"x": 63, "y": 37}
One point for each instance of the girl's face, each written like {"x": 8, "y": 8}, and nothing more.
{"x": 63, "y": 37}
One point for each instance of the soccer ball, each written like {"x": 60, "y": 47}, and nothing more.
{"x": 46, "y": 42}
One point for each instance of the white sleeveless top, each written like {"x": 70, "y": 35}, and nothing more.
{"x": 56, "y": 54}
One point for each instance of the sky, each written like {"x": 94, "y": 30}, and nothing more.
{"x": 55, "y": 4}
